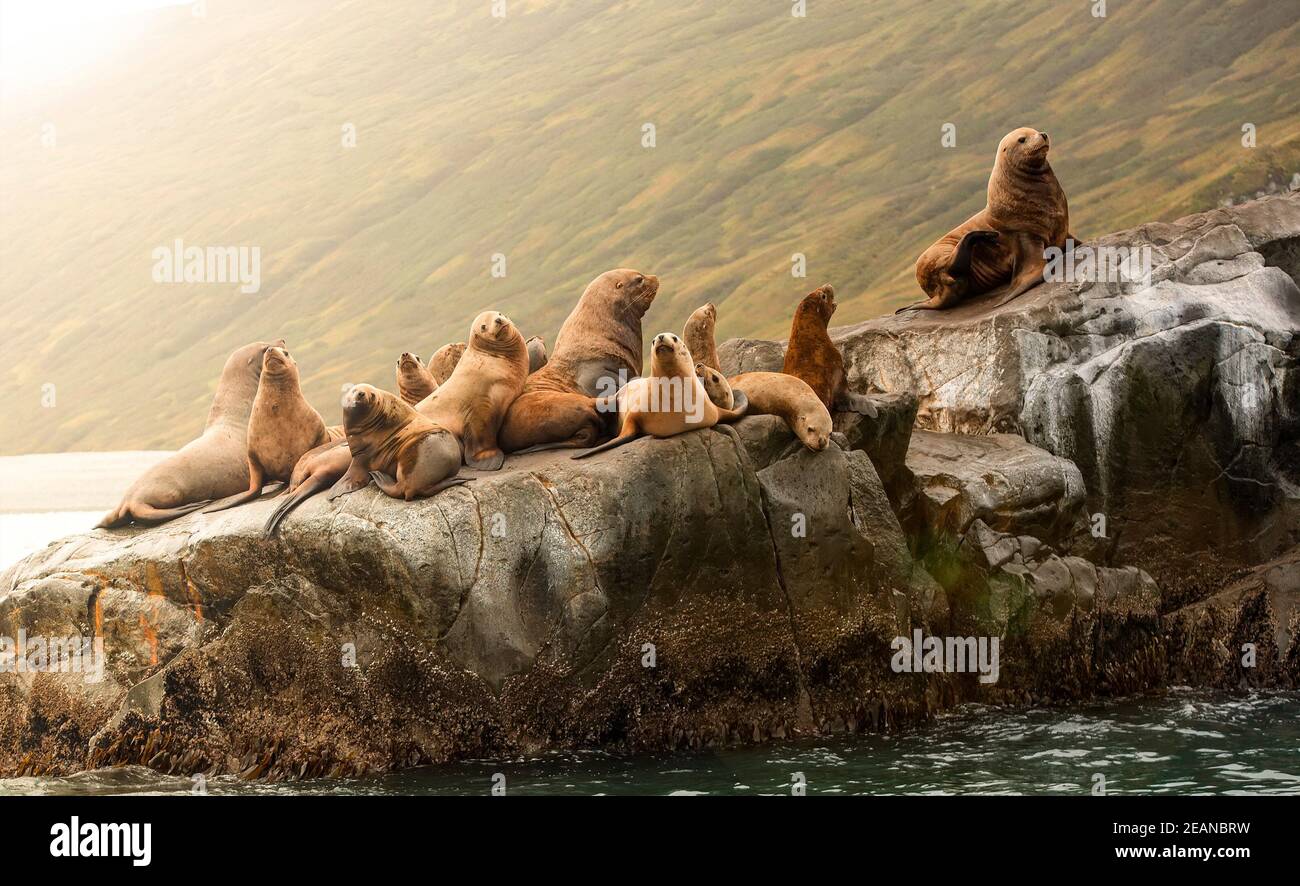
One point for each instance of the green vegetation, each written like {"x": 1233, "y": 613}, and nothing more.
{"x": 522, "y": 136}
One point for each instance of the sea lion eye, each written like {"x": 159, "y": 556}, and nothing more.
{"x": 1022, "y": 139}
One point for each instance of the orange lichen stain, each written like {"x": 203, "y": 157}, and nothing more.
{"x": 151, "y": 637}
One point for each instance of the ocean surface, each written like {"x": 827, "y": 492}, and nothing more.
{"x": 1183, "y": 742}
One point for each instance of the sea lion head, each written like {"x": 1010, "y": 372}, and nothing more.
{"x": 669, "y": 356}
{"x": 276, "y": 362}
{"x": 814, "y": 428}
{"x": 1024, "y": 148}
{"x": 409, "y": 362}
{"x": 625, "y": 290}
{"x": 716, "y": 386}
{"x": 817, "y": 305}
{"x": 493, "y": 331}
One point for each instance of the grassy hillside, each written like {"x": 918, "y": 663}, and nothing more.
{"x": 522, "y": 136}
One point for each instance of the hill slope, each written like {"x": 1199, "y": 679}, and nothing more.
{"x": 523, "y": 136}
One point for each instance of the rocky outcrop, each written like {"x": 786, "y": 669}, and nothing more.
{"x": 1178, "y": 398}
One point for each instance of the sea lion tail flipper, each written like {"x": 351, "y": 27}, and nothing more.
{"x": 930, "y": 304}
{"x": 112, "y": 519}
{"x": 387, "y": 484}
{"x": 961, "y": 259}
{"x": 305, "y": 490}
{"x": 146, "y": 514}
{"x": 737, "y": 411}
{"x": 605, "y": 447}
{"x": 231, "y": 501}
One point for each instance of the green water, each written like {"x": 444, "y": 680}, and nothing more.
{"x": 1181, "y": 743}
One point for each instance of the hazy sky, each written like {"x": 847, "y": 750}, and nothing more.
{"x": 43, "y": 40}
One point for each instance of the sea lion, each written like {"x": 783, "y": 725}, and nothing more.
{"x": 536, "y": 354}
{"x": 669, "y": 401}
{"x": 443, "y": 362}
{"x": 776, "y": 393}
{"x": 403, "y": 452}
{"x": 716, "y": 386}
{"x": 698, "y": 335}
{"x": 597, "y": 350}
{"x": 813, "y": 357}
{"x": 282, "y": 428}
{"x": 488, "y": 378}
{"x": 209, "y": 467}
{"x": 1003, "y": 243}
{"x": 414, "y": 380}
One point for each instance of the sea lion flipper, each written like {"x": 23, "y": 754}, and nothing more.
{"x": 961, "y": 259}
{"x": 605, "y": 447}
{"x": 859, "y": 403}
{"x": 306, "y": 490}
{"x": 737, "y": 411}
{"x": 357, "y": 477}
{"x": 148, "y": 514}
{"x": 387, "y": 484}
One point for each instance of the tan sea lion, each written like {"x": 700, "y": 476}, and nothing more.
{"x": 403, "y": 452}
{"x": 207, "y": 468}
{"x": 597, "y": 350}
{"x": 443, "y": 362}
{"x": 776, "y": 393}
{"x": 813, "y": 357}
{"x": 282, "y": 428}
{"x": 669, "y": 401}
{"x": 1004, "y": 243}
{"x": 472, "y": 403}
{"x": 414, "y": 380}
{"x": 315, "y": 472}
{"x": 698, "y": 335}
{"x": 536, "y": 354}
{"x": 716, "y": 386}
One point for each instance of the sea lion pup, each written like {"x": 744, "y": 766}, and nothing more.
{"x": 282, "y": 428}
{"x": 813, "y": 357}
{"x": 209, "y": 467}
{"x": 443, "y": 362}
{"x": 776, "y": 393}
{"x": 597, "y": 350}
{"x": 698, "y": 335}
{"x": 472, "y": 403}
{"x": 536, "y": 354}
{"x": 669, "y": 401}
{"x": 1003, "y": 243}
{"x": 716, "y": 386}
{"x": 414, "y": 380}
{"x": 403, "y": 452}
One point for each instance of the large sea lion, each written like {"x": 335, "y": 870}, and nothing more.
{"x": 414, "y": 380}
{"x": 403, "y": 452}
{"x": 698, "y": 335}
{"x": 813, "y": 357}
{"x": 776, "y": 393}
{"x": 282, "y": 428}
{"x": 597, "y": 350}
{"x": 669, "y": 401}
{"x": 536, "y": 354}
{"x": 443, "y": 362}
{"x": 209, "y": 467}
{"x": 472, "y": 403}
{"x": 1004, "y": 243}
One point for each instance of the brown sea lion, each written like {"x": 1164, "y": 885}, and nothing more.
{"x": 813, "y": 357}
{"x": 1004, "y": 243}
{"x": 207, "y": 468}
{"x": 282, "y": 428}
{"x": 716, "y": 386}
{"x": 472, "y": 403}
{"x": 669, "y": 401}
{"x": 698, "y": 335}
{"x": 776, "y": 393}
{"x": 597, "y": 350}
{"x": 443, "y": 362}
{"x": 536, "y": 354}
{"x": 403, "y": 452}
{"x": 414, "y": 380}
